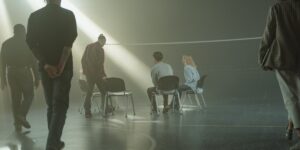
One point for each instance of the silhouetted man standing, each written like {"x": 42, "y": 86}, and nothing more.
{"x": 280, "y": 51}
{"x": 18, "y": 63}
{"x": 93, "y": 68}
{"x": 51, "y": 33}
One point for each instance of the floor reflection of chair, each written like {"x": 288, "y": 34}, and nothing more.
{"x": 168, "y": 85}
{"x": 199, "y": 92}
{"x": 116, "y": 87}
{"x": 94, "y": 104}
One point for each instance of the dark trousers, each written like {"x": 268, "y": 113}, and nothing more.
{"x": 56, "y": 92}
{"x": 151, "y": 94}
{"x": 21, "y": 85}
{"x": 289, "y": 83}
{"x": 91, "y": 81}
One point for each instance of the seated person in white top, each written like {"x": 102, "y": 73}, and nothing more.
{"x": 160, "y": 69}
{"x": 191, "y": 75}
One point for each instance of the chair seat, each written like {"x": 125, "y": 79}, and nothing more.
{"x": 119, "y": 93}
{"x": 165, "y": 92}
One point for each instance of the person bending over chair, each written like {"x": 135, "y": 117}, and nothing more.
{"x": 93, "y": 68}
{"x": 160, "y": 69}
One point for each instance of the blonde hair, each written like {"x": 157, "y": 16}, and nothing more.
{"x": 188, "y": 60}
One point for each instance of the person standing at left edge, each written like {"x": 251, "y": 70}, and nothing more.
{"x": 51, "y": 33}
{"x": 19, "y": 68}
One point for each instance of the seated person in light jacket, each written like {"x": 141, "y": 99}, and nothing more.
{"x": 191, "y": 75}
{"x": 160, "y": 69}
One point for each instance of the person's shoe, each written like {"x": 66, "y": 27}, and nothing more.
{"x": 88, "y": 114}
{"x": 24, "y": 122}
{"x": 289, "y": 134}
{"x": 296, "y": 146}
{"x": 61, "y": 145}
{"x": 109, "y": 109}
{"x": 52, "y": 148}
{"x": 166, "y": 109}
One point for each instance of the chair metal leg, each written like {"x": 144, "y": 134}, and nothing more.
{"x": 127, "y": 99}
{"x": 180, "y": 105}
{"x": 81, "y": 108}
{"x": 204, "y": 103}
{"x": 111, "y": 105}
{"x": 184, "y": 96}
{"x": 105, "y": 103}
{"x": 132, "y": 102}
{"x": 156, "y": 104}
{"x": 190, "y": 99}
{"x": 95, "y": 103}
{"x": 173, "y": 102}
{"x": 198, "y": 101}
{"x": 98, "y": 106}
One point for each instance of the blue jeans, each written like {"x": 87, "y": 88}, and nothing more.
{"x": 56, "y": 92}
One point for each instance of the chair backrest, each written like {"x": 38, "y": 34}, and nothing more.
{"x": 200, "y": 83}
{"x": 168, "y": 83}
{"x": 83, "y": 85}
{"x": 115, "y": 85}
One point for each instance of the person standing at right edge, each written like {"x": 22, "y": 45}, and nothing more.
{"x": 51, "y": 33}
{"x": 280, "y": 52}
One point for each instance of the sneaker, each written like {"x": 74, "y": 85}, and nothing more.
{"x": 24, "y": 122}
{"x": 61, "y": 145}
{"x": 88, "y": 114}
{"x": 109, "y": 109}
{"x": 166, "y": 109}
{"x": 52, "y": 148}
{"x": 296, "y": 146}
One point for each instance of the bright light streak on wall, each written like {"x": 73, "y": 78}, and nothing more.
{"x": 4, "y": 148}
{"x": 12, "y": 147}
{"x": 131, "y": 65}
{"x": 118, "y": 54}
{"x": 5, "y": 23}
{"x": 37, "y": 4}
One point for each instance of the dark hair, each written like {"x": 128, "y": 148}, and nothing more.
{"x": 19, "y": 28}
{"x": 158, "y": 56}
{"x": 101, "y": 36}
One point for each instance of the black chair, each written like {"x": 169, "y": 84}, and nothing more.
{"x": 116, "y": 87}
{"x": 84, "y": 87}
{"x": 199, "y": 91}
{"x": 168, "y": 85}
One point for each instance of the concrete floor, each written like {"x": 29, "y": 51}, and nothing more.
{"x": 228, "y": 124}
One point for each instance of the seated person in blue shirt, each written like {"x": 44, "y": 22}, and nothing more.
{"x": 160, "y": 69}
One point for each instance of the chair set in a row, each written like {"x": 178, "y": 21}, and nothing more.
{"x": 114, "y": 87}
{"x": 167, "y": 85}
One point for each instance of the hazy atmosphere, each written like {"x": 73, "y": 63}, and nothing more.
{"x": 223, "y": 37}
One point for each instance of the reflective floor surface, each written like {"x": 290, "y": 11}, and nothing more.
{"x": 232, "y": 124}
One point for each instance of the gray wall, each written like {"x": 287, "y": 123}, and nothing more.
{"x": 232, "y": 68}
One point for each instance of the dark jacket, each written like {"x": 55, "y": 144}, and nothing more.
{"x": 50, "y": 29}
{"x": 280, "y": 45}
{"x": 93, "y": 61}
{"x": 15, "y": 53}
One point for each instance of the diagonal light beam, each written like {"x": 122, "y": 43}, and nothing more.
{"x": 132, "y": 66}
